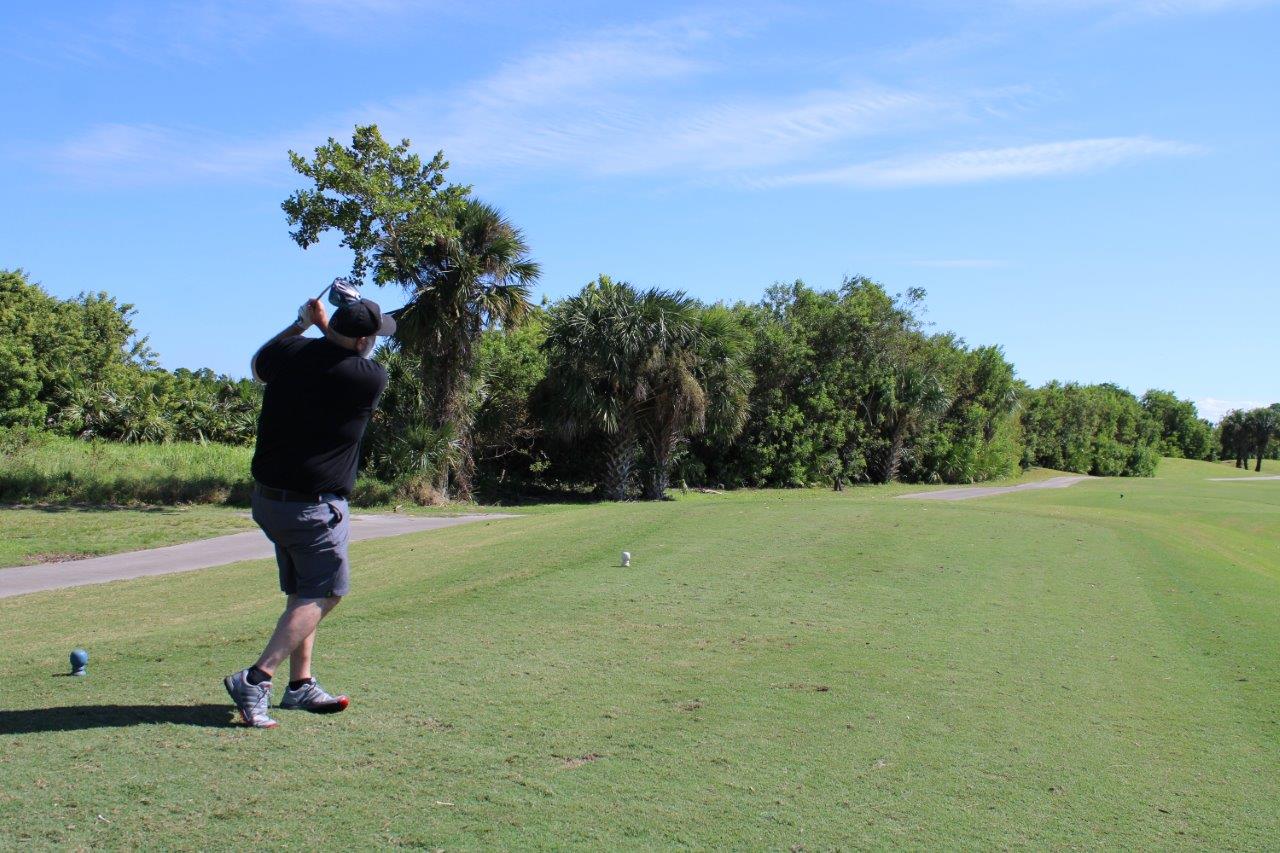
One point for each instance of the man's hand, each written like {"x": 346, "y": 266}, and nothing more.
{"x": 313, "y": 313}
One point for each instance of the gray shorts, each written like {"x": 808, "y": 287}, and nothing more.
{"x": 311, "y": 544}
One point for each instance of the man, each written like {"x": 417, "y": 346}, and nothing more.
{"x": 319, "y": 397}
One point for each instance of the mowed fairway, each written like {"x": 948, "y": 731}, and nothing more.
{"x": 1066, "y": 668}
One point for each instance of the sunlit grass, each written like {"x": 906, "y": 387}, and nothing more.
{"x": 1087, "y": 667}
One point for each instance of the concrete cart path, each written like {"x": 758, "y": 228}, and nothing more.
{"x": 201, "y": 554}
{"x": 1249, "y": 479}
{"x": 986, "y": 491}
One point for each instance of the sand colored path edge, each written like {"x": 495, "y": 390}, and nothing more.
{"x": 954, "y": 494}
{"x": 201, "y": 554}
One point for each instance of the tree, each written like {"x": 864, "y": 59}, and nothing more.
{"x": 977, "y": 438}
{"x": 507, "y": 440}
{"x": 392, "y": 210}
{"x": 1260, "y": 427}
{"x": 476, "y": 281}
{"x": 905, "y": 397}
{"x": 52, "y": 348}
{"x": 1234, "y": 437}
{"x": 401, "y": 446}
{"x": 1091, "y": 429}
{"x": 600, "y": 347}
{"x": 1182, "y": 433}
{"x": 695, "y": 383}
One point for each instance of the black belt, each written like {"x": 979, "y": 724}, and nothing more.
{"x": 286, "y": 495}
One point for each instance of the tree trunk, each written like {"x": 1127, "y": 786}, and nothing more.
{"x": 465, "y": 467}
{"x": 1262, "y": 448}
{"x": 620, "y": 460}
{"x": 844, "y": 456}
{"x": 891, "y": 459}
{"x": 894, "y": 459}
{"x": 656, "y": 484}
{"x": 445, "y": 378}
{"x": 662, "y": 448}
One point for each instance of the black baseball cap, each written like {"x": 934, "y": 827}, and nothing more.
{"x": 361, "y": 318}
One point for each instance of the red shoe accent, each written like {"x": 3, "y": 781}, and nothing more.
{"x": 338, "y": 705}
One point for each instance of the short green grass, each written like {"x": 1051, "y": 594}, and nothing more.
{"x": 1087, "y": 667}
{"x": 50, "y": 533}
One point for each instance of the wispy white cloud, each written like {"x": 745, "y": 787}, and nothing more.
{"x": 625, "y": 101}
{"x": 1213, "y": 409}
{"x": 116, "y": 155}
{"x": 615, "y": 102}
{"x": 992, "y": 164}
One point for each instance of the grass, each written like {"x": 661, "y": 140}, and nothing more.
{"x": 1227, "y": 468}
{"x": 52, "y": 532}
{"x": 44, "y": 534}
{"x": 44, "y": 469}
{"x": 56, "y": 470}
{"x": 1072, "y": 668}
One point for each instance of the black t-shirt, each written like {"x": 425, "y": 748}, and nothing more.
{"x": 317, "y": 403}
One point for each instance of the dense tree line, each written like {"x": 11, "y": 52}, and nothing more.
{"x": 626, "y": 391}
{"x": 77, "y": 367}
{"x": 617, "y": 389}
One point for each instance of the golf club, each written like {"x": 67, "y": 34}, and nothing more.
{"x": 341, "y": 291}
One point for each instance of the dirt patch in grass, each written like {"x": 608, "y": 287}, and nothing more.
{"x": 58, "y": 556}
{"x": 577, "y": 761}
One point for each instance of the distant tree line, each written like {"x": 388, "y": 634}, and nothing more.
{"x": 77, "y": 367}
{"x": 619, "y": 390}
{"x": 1250, "y": 433}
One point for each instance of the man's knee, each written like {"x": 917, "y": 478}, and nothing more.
{"x": 324, "y": 604}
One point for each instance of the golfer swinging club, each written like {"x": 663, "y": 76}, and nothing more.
{"x": 319, "y": 397}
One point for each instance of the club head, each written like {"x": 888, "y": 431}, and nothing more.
{"x": 343, "y": 291}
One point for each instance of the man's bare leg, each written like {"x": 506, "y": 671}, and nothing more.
{"x": 295, "y": 629}
{"x": 300, "y": 659}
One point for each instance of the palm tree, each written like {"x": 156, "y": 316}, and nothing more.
{"x": 401, "y": 444}
{"x": 703, "y": 384}
{"x": 1233, "y": 435}
{"x": 1237, "y": 434}
{"x": 479, "y": 280}
{"x": 1261, "y": 426}
{"x": 903, "y": 399}
{"x": 605, "y": 347}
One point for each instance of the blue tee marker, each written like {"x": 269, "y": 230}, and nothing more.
{"x": 79, "y": 660}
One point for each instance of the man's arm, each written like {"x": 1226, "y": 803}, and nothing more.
{"x": 312, "y": 313}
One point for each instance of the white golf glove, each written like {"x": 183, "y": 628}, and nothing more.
{"x": 304, "y": 316}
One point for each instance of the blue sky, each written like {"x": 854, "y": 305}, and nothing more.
{"x": 1092, "y": 184}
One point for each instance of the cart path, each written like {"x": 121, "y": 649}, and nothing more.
{"x": 201, "y": 554}
{"x": 1249, "y": 479}
{"x": 986, "y": 491}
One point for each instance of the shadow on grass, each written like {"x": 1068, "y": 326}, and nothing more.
{"x": 79, "y": 717}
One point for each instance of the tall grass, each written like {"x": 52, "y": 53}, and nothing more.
{"x": 39, "y": 467}
{"x": 42, "y": 468}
